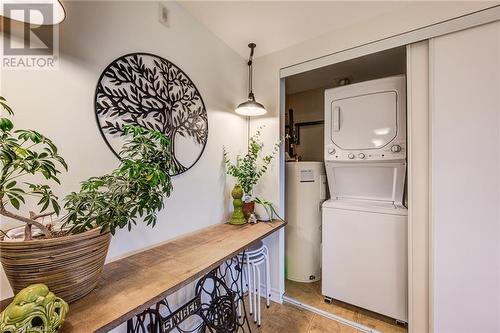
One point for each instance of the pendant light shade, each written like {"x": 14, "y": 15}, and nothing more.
{"x": 250, "y": 107}
{"x": 35, "y": 12}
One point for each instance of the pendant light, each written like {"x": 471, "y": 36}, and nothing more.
{"x": 251, "y": 107}
{"x": 31, "y": 11}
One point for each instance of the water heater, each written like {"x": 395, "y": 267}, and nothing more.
{"x": 306, "y": 187}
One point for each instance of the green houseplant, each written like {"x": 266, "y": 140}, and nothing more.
{"x": 27, "y": 153}
{"x": 136, "y": 189}
{"x": 249, "y": 168}
{"x": 69, "y": 258}
{"x": 268, "y": 208}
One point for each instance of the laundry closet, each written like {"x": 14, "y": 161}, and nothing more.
{"x": 346, "y": 160}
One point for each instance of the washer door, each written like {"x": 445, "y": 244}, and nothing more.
{"x": 363, "y": 122}
{"x": 379, "y": 181}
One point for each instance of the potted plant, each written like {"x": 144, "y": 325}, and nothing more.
{"x": 69, "y": 256}
{"x": 265, "y": 210}
{"x": 248, "y": 169}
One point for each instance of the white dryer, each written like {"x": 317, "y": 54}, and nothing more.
{"x": 364, "y": 223}
{"x": 366, "y": 121}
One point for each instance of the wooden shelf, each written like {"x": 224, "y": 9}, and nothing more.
{"x": 130, "y": 285}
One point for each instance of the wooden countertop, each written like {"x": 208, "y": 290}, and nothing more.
{"x": 130, "y": 285}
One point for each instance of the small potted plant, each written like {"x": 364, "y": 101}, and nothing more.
{"x": 265, "y": 210}
{"x": 248, "y": 169}
{"x": 69, "y": 256}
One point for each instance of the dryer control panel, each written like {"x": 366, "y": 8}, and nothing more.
{"x": 366, "y": 121}
{"x": 395, "y": 151}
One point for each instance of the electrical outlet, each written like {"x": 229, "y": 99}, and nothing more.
{"x": 163, "y": 16}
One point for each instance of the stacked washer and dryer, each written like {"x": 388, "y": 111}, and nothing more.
{"x": 364, "y": 223}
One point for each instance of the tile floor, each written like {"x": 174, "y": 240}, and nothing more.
{"x": 286, "y": 318}
{"x": 310, "y": 294}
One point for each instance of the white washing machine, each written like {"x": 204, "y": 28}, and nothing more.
{"x": 364, "y": 224}
{"x": 306, "y": 189}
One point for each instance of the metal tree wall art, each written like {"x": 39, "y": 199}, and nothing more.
{"x": 151, "y": 92}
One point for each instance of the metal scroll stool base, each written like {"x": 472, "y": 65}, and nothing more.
{"x": 213, "y": 309}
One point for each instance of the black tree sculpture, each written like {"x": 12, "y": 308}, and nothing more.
{"x": 149, "y": 91}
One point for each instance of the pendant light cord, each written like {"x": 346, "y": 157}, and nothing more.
{"x": 248, "y": 133}
{"x": 250, "y": 70}
{"x": 250, "y": 90}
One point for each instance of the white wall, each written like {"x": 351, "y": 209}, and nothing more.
{"x": 60, "y": 104}
{"x": 465, "y": 111}
{"x": 266, "y": 73}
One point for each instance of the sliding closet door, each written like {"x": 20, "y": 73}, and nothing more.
{"x": 465, "y": 203}
{"x": 417, "y": 92}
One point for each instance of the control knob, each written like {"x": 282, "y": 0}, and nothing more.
{"x": 331, "y": 150}
{"x": 396, "y": 148}
{"x": 351, "y": 156}
{"x": 361, "y": 155}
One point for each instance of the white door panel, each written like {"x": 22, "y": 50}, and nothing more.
{"x": 465, "y": 111}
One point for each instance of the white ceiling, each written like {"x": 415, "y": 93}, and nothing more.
{"x": 374, "y": 66}
{"x": 275, "y": 25}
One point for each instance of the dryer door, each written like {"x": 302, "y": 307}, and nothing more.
{"x": 367, "y": 121}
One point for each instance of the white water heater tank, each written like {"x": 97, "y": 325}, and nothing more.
{"x": 306, "y": 187}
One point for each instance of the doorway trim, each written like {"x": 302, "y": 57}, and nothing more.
{"x": 418, "y": 129}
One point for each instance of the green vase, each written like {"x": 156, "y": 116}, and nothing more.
{"x": 238, "y": 216}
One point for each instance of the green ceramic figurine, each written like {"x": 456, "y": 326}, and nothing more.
{"x": 238, "y": 216}
{"x": 35, "y": 309}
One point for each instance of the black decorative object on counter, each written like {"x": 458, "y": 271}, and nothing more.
{"x": 217, "y": 306}
{"x": 149, "y": 91}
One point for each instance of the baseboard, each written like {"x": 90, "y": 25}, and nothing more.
{"x": 276, "y": 295}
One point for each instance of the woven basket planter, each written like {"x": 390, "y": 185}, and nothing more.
{"x": 70, "y": 266}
